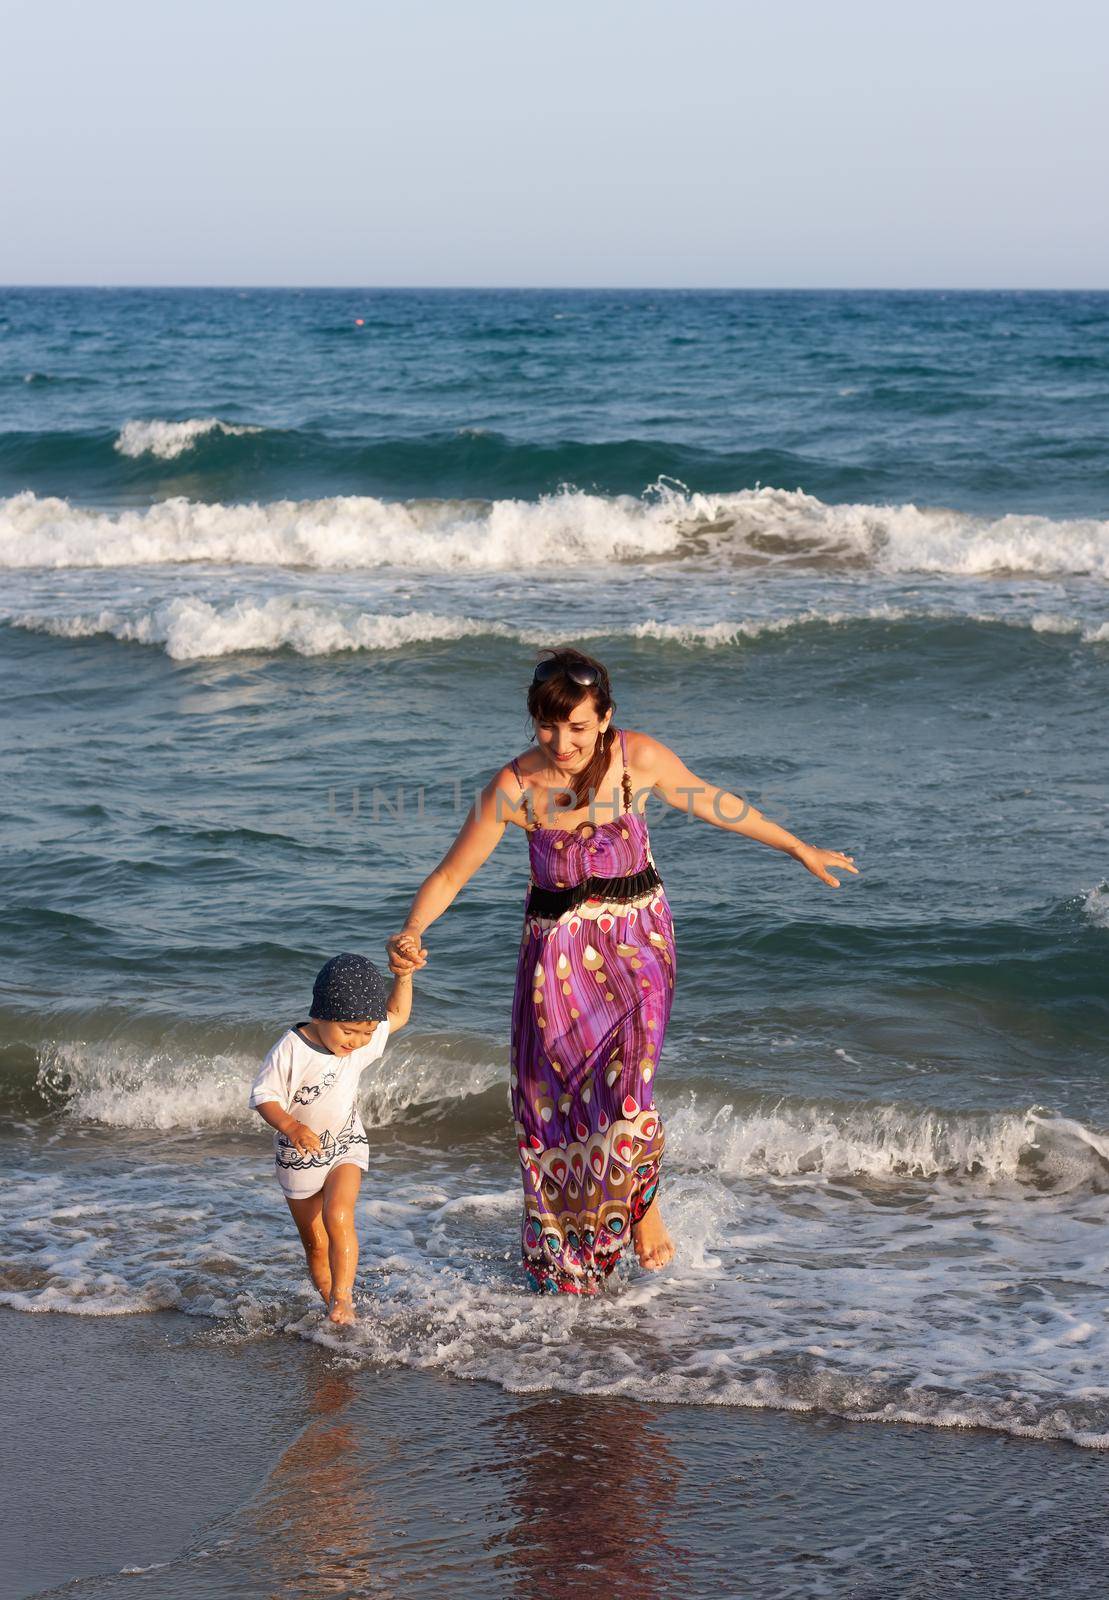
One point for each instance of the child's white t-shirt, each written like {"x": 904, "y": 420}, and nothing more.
{"x": 318, "y": 1089}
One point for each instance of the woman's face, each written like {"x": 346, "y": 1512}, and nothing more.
{"x": 569, "y": 745}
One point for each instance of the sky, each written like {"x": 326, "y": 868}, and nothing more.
{"x": 683, "y": 143}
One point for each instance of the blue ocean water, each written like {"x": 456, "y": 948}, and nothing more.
{"x": 275, "y": 569}
{"x": 978, "y": 402}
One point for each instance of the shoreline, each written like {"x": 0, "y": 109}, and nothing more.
{"x": 270, "y": 1466}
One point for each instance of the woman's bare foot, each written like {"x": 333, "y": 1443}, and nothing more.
{"x": 653, "y": 1245}
{"x": 341, "y": 1310}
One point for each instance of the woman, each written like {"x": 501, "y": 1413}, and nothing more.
{"x": 596, "y": 969}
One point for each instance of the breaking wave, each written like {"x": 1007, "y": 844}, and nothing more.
{"x": 190, "y": 628}
{"x": 168, "y": 440}
{"x": 124, "y": 1086}
{"x": 570, "y": 528}
{"x": 888, "y": 1142}
{"x": 1096, "y": 905}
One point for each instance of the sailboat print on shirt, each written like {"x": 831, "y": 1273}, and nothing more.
{"x": 333, "y": 1147}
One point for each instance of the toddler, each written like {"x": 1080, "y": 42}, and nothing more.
{"x": 305, "y": 1090}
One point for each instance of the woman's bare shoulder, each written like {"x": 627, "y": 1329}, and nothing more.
{"x": 508, "y": 788}
{"x": 643, "y": 750}
{"x": 516, "y": 772}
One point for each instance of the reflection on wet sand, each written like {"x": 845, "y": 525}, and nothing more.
{"x": 320, "y": 1519}
{"x": 417, "y": 1487}
{"x": 592, "y": 1489}
{"x": 366, "y": 1500}
{"x": 564, "y": 1495}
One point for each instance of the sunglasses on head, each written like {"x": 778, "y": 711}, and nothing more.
{"x": 584, "y": 676}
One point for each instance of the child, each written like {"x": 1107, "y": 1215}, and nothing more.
{"x": 305, "y": 1090}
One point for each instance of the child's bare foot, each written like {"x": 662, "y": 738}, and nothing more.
{"x": 341, "y": 1310}
{"x": 653, "y": 1245}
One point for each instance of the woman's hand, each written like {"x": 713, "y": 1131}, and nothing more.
{"x": 406, "y": 954}
{"x": 303, "y": 1140}
{"x": 819, "y": 861}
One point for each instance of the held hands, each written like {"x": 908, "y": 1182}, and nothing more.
{"x": 406, "y": 954}
{"x": 819, "y": 861}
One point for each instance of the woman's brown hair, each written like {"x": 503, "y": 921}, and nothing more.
{"x": 557, "y": 698}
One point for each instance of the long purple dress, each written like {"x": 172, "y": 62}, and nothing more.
{"x": 593, "y": 990}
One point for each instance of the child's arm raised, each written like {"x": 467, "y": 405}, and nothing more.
{"x": 398, "y": 1007}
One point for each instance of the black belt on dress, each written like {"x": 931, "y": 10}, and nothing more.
{"x": 556, "y": 902}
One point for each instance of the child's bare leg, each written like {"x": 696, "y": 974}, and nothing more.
{"x": 340, "y": 1191}
{"x": 308, "y": 1216}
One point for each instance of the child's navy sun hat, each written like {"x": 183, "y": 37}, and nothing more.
{"x": 349, "y": 988}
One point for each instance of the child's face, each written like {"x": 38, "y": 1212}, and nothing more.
{"x": 343, "y": 1037}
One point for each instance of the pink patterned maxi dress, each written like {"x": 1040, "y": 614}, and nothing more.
{"x": 593, "y": 991}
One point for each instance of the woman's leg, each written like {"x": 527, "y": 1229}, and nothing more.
{"x": 340, "y": 1191}
{"x": 308, "y": 1216}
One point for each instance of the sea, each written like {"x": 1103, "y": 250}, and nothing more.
{"x": 275, "y": 568}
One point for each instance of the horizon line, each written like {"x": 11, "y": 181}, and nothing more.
{"x": 571, "y": 288}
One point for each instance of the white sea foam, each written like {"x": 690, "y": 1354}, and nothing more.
{"x": 125, "y": 1086}
{"x": 191, "y": 628}
{"x": 1096, "y": 905}
{"x": 890, "y": 1141}
{"x": 908, "y": 538}
{"x": 802, "y": 1296}
{"x": 102, "y": 1295}
{"x": 567, "y": 529}
{"x": 1047, "y": 622}
{"x": 733, "y": 631}
{"x": 952, "y": 1303}
{"x": 439, "y": 1075}
{"x": 351, "y": 532}
{"x": 167, "y": 440}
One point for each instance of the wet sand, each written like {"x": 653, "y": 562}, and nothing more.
{"x": 268, "y": 1467}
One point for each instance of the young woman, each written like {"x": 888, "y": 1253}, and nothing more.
{"x": 596, "y": 969}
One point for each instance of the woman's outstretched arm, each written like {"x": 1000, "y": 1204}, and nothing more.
{"x": 669, "y": 777}
{"x": 475, "y": 842}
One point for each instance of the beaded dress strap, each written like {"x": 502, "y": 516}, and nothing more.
{"x": 625, "y": 781}
{"x": 532, "y": 825}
